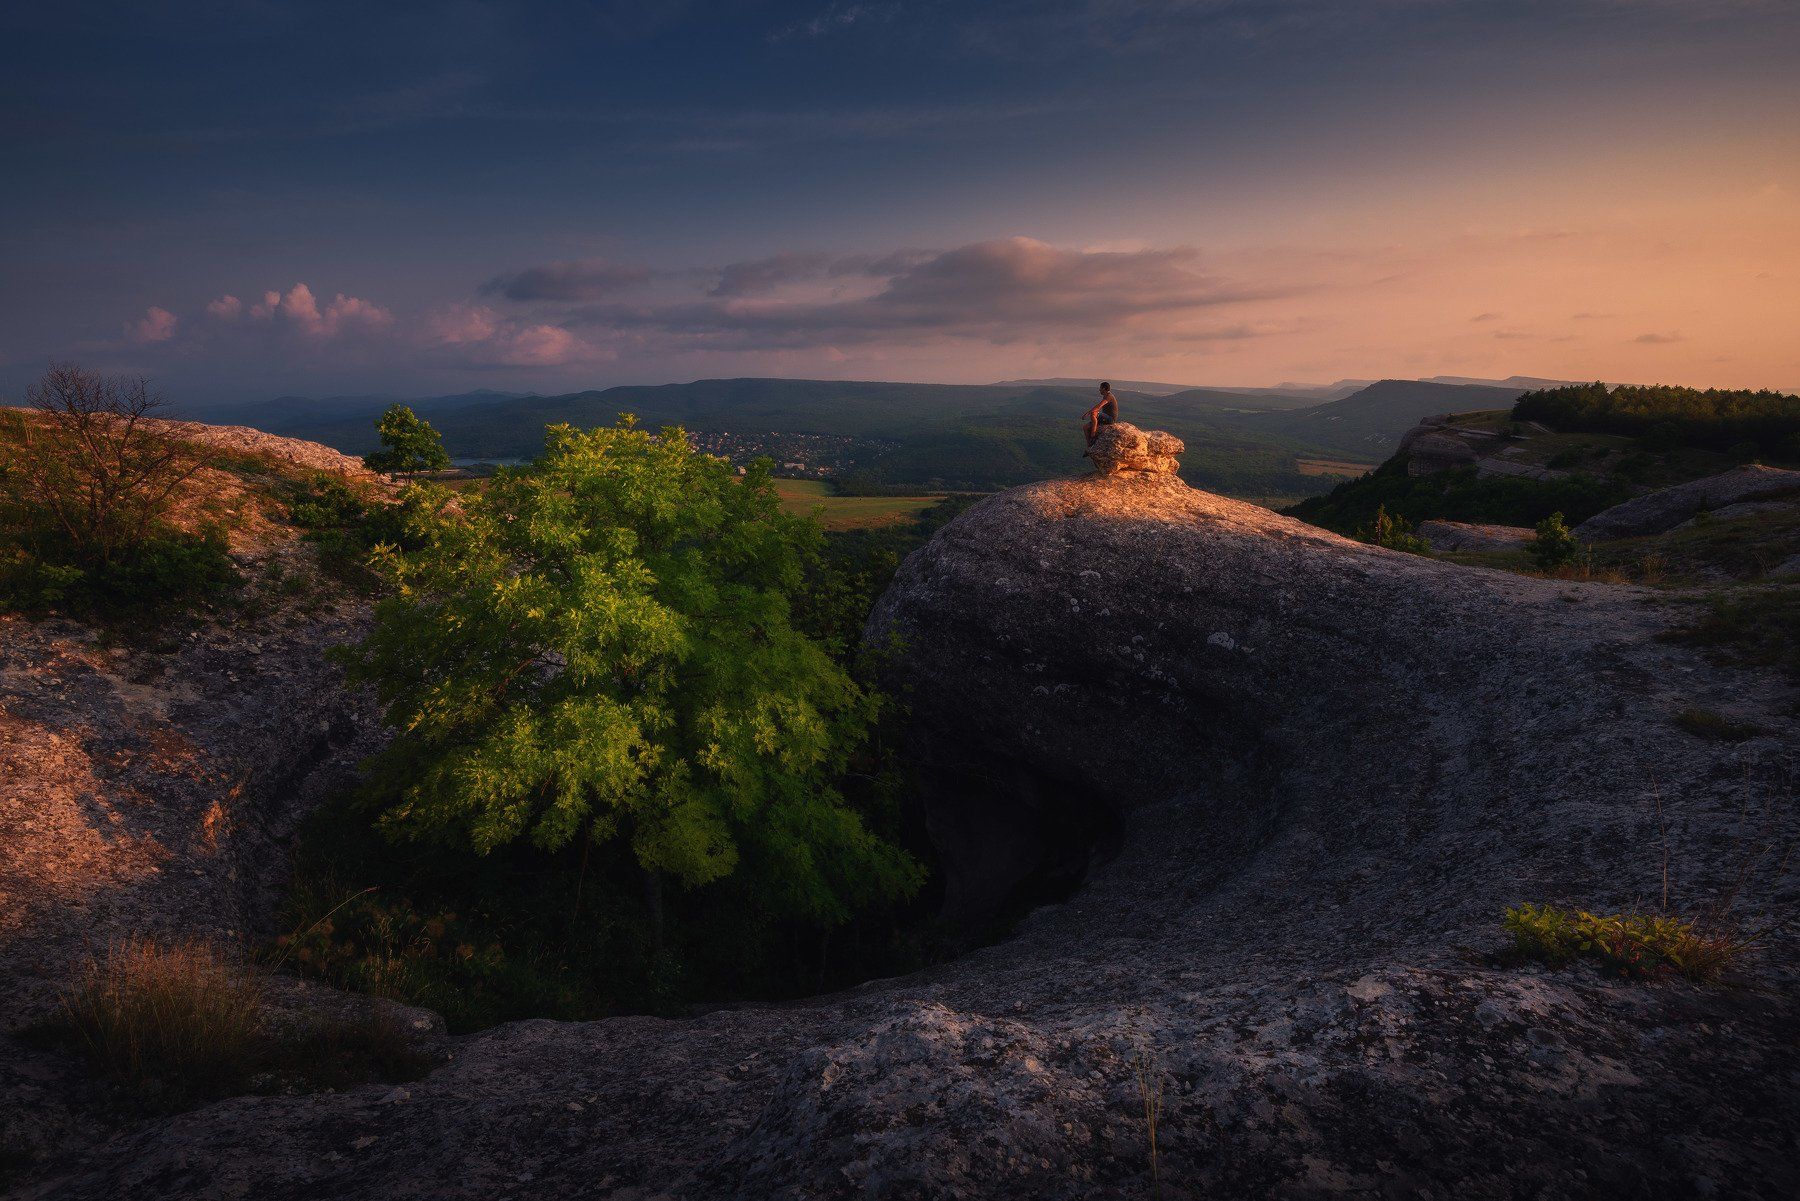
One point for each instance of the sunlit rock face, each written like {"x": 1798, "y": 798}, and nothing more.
{"x": 1121, "y": 449}
{"x": 1303, "y": 777}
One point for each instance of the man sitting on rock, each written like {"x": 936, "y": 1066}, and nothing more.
{"x": 1104, "y": 413}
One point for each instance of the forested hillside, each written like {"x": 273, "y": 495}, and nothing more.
{"x": 948, "y": 436}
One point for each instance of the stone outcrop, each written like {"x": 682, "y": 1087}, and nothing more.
{"x": 1124, "y": 449}
{"x": 151, "y": 789}
{"x": 151, "y": 779}
{"x": 1431, "y": 446}
{"x": 1303, "y": 776}
{"x": 1466, "y": 535}
{"x": 1667, "y": 508}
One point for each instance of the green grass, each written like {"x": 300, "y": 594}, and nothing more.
{"x": 851, "y": 512}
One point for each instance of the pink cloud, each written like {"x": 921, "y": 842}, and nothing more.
{"x": 226, "y": 307}
{"x": 483, "y": 336}
{"x": 542, "y": 346}
{"x": 461, "y": 324}
{"x": 301, "y": 309}
{"x": 156, "y": 325}
{"x": 348, "y": 311}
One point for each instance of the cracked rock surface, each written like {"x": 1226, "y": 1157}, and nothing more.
{"x": 1303, "y": 777}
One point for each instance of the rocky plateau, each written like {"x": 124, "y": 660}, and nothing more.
{"x": 1278, "y": 787}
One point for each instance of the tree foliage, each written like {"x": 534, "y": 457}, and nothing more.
{"x": 1395, "y": 533}
{"x": 408, "y": 444}
{"x": 601, "y": 646}
{"x": 1738, "y": 422}
{"x": 1555, "y": 544}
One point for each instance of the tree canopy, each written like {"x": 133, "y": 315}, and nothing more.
{"x": 1766, "y": 422}
{"x": 601, "y": 646}
{"x": 408, "y": 444}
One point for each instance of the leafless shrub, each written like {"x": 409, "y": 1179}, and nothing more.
{"x": 91, "y": 463}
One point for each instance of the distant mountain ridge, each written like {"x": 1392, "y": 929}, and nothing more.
{"x": 292, "y": 409}
{"x": 957, "y": 436}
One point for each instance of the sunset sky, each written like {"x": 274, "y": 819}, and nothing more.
{"x": 245, "y": 200}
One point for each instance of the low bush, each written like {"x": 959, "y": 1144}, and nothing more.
{"x": 169, "y": 569}
{"x": 1634, "y": 945}
{"x": 1395, "y": 533}
{"x": 346, "y": 525}
{"x": 1555, "y": 545}
{"x": 91, "y": 486}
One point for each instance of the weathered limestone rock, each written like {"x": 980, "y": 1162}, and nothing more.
{"x": 1431, "y": 447}
{"x": 1319, "y": 771}
{"x": 1465, "y": 535}
{"x": 1667, "y": 508}
{"x": 1123, "y": 449}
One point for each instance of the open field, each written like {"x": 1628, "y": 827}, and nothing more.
{"x": 1331, "y": 467}
{"x": 850, "y": 512}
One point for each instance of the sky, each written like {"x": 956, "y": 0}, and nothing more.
{"x": 245, "y": 200}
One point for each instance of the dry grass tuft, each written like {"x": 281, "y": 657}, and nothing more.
{"x": 181, "y": 1015}
{"x": 176, "y": 1022}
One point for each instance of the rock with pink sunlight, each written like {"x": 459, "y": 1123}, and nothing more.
{"x": 1124, "y": 449}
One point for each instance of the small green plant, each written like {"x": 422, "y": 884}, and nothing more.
{"x": 408, "y": 444}
{"x": 1635, "y": 945}
{"x": 1393, "y": 532}
{"x": 1555, "y": 545}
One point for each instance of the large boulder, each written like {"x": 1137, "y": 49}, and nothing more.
{"x": 1432, "y": 446}
{"x": 1667, "y": 508}
{"x": 1304, "y": 777}
{"x": 1124, "y": 449}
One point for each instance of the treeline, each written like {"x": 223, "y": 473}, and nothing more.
{"x": 1459, "y": 495}
{"x": 1743, "y": 424}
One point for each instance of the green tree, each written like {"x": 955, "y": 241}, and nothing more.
{"x": 1555, "y": 545}
{"x": 601, "y": 646}
{"x": 408, "y": 444}
{"x": 1393, "y": 532}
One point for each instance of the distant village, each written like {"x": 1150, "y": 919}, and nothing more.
{"x": 804, "y": 456}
